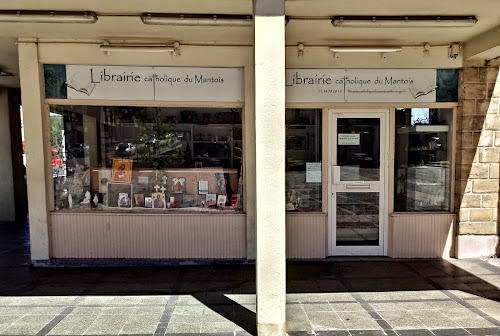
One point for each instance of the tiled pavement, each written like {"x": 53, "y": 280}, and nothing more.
{"x": 342, "y": 297}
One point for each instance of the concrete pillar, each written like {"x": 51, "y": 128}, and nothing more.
{"x": 478, "y": 160}
{"x": 37, "y": 149}
{"x": 269, "y": 18}
{"x": 7, "y": 205}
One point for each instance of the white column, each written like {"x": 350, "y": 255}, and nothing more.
{"x": 7, "y": 205}
{"x": 269, "y": 16}
{"x": 38, "y": 160}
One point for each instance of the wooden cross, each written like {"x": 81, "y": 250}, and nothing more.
{"x": 156, "y": 187}
{"x": 163, "y": 189}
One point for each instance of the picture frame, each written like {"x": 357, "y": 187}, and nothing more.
{"x": 210, "y": 199}
{"x": 158, "y": 200}
{"x": 116, "y": 192}
{"x": 187, "y": 201}
{"x": 221, "y": 200}
{"x": 139, "y": 200}
{"x": 148, "y": 202}
{"x": 122, "y": 171}
{"x": 178, "y": 185}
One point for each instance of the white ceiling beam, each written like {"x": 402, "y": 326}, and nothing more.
{"x": 483, "y": 46}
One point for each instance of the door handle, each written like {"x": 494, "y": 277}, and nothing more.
{"x": 358, "y": 186}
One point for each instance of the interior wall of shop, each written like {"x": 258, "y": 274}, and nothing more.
{"x": 19, "y": 170}
{"x": 7, "y": 206}
{"x": 12, "y": 183}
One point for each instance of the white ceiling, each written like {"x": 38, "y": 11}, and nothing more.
{"x": 119, "y": 20}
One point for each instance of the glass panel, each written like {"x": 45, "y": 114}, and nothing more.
{"x": 303, "y": 160}
{"x": 358, "y": 149}
{"x": 146, "y": 158}
{"x": 422, "y": 159}
{"x": 357, "y": 219}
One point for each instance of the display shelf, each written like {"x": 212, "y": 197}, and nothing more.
{"x": 424, "y": 129}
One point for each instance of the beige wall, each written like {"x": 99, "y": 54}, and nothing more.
{"x": 37, "y": 149}
{"x": 7, "y": 205}
{"x": 478, "y": 158}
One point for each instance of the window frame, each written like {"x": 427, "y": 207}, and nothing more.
{"x": 47, "y": 102}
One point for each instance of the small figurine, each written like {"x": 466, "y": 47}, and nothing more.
{"x": 164, "y": 178}
{"x": 96, "y": 200}
{"x": 86, "y": 200}
{"x": 70, "y": 201}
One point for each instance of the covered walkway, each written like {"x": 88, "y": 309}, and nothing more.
{"x": 341, "y": 297}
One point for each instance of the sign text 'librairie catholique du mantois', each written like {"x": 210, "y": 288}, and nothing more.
{"x": 361, "y": 85}
{"x": 155, "y": 83}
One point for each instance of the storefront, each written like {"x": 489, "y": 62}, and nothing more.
{"x": 154, "y": 157}
{"x": 387, "y": 139}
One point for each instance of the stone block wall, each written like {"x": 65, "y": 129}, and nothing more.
{"x": 478, "y": 157}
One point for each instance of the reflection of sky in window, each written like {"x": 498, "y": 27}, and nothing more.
{"x": 420, "y": 116}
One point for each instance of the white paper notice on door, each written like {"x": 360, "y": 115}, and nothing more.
{"x": 348, "y": 139}
{"x": 313, "y": 172}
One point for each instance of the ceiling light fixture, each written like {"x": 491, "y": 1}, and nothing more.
{"x": 404, "y": 21}
{"x": 47, "y": 17}
{"x": 365, "y": 49}
{"x": 136, "y": 48}
{"x": 198, "y": 20}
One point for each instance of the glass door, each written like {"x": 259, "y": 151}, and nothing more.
{"x": 358, "y": 211}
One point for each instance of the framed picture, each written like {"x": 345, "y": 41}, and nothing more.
{"x": 122, "y": 170}
{"x": 221, "y": 200}
{"x": 158, "y": 200}
{"x": 210, "y": 199}
{"x": 139, "y": 200}
{"x": 119, "y": 195}
{"x": 148, "y": 202}
{"x": 187, "y": 201}
{"x": 203, "y": 187}
{"x": 178, "y": 186}
{"x": 221, "y": 180}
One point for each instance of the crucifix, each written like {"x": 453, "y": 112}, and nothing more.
{"x": 156, "y": 187}
{"x": 164, "y": 178}
{"x": 163, "y": 189}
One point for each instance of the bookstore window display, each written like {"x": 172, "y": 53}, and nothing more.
{"x": 303, "y": 160}
{"x": 146, "y": 158}
{"x": 423, "y": 159}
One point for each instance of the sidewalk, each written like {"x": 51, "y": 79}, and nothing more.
{"x": 380, "y": 297}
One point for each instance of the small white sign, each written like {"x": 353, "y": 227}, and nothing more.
{"x": 348, "y": 139}
{"x": 203, "y": 187}
{"x": 313, "y": 172}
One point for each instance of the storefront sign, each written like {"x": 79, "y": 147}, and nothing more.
{"x": 313, "y": 172}
{"x": 145, "y": 83}
{"x": 371, "y": 85}
{"x": 348, "y": 139}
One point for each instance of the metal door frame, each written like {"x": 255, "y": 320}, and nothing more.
{"x": 383, "y": 114}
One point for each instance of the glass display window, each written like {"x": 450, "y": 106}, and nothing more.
{"x": 303, "y": 160}
{"x": 122, "y": 158}
{"x": 423, "y": 159}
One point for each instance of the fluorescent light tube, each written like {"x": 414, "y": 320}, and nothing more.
{"x": 47, "y": 17}
{"x": 403, "y": 21}
{"x": 366, "y": 49}
{"x": 198, "y": 20}
{"x": 134, "y": 48}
